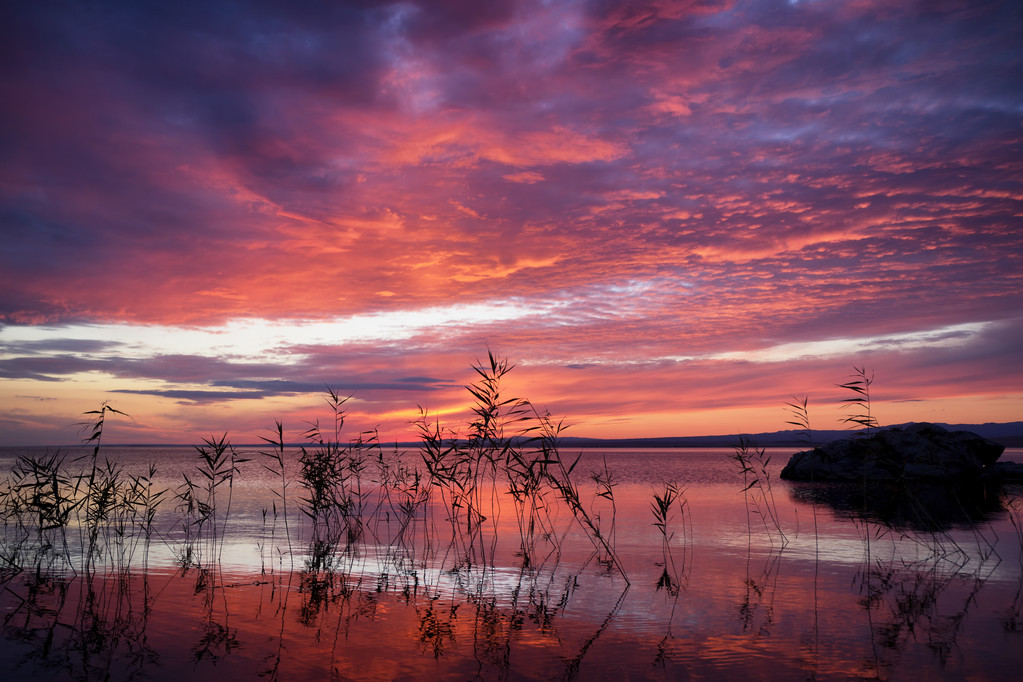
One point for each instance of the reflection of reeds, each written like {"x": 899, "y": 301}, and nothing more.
{"x": 375, "y": 549}
{"x": 1015, "y": 508}
{"x": 908, "y": 598}
{"x": 756, "y": 610}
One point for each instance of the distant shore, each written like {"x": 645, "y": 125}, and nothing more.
{"x": 1009, "y": 434}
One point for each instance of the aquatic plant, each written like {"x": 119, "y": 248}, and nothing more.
{"x": 758, "y": 492}
{"x": 800, "y": 417}
{"x": 559, "y": 476}
{"x": 508, "y": 440}
{"x": 326, "y": 475}
{"x": 664, "y": 503}
{"x": 859, "y": 403}
{"x": 274, "y": 462}
{"x": 465, "y": 470}
{"x": 44, "y": 499}
{"x": 605, "y": 485}
{"x": 205, "y": 525}
{"x": 38, "y": 506}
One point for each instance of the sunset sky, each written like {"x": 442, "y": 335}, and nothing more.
{"x": 670, "y": 216}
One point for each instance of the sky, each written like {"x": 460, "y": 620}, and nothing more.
{"x": 670, "y": 217}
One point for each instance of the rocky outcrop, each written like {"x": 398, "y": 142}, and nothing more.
{"x": 920, "y": 451}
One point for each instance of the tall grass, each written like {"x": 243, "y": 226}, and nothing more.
{"x": 56, "y": 515}
{"x": 274, "y": 462}
{"x": 859, "y": 404}
{"x": 508, "y": 442}
{"x": 359, "y": 500}
{"x": 206, "y": 501}
{"x": 331, "y": 474}
{"x": 663, "y": 506}
{"x": 758, "y": 491}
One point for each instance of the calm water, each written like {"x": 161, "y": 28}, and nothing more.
{"x": 809, "y": 587}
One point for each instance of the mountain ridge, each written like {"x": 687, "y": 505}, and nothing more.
{"x": 1009, "y": 434}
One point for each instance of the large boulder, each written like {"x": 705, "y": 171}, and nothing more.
{"x": 918, "y": 451}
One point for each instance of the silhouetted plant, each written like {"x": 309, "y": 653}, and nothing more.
{"x": 331, "y": 474}
{"x": 274, "y": 463}
{"x": 801, "y": 418}
{"x": 559, "y": 475}
{"x": 38, "y": 506}
{"x": 859, "y": 404}
{"x": 759, "y": 494}
{"x": 509, "y": 438}
{"x": 204, "y": 525}
{"x": 43, "y": 500}
{"x": 605, "y": 485}
{"x": 664, "y": 503}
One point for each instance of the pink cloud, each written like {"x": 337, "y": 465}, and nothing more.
{"x": 653, "y": 180}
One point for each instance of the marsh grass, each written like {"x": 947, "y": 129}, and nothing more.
{"x": 205, "y": 503}
{"x": 799, "y": 416}
{"x": 274, "y": 462}
{"x": 60, "y": 514}
{"x": 510, "y": 443}
{"x": 859, "y": 404}
{"x": 759, "y": 494}
{"x": 331, "y": 475}
{"x": 558, "y": 475}
{"x": 664, "y": 505}
{"x": 423, "y": 525}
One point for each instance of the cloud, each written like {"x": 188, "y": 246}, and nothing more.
{"x": 367, "y": 191}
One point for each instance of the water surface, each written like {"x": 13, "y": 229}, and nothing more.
{"x": 803, "y": 588}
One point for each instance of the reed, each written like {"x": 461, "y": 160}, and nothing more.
{"x": 605, "y": 484}
{"x": 465, "y": 470}
{"x": 78, "y": 518}
{"x": 664, "y": 504}
{"x": 511, "y": 442}
{"x": 274, "y": 462}
{"x": 859, "y": 404}
{"x": 38, "y": 509}
{"x": 559, "y": 477}
{"x": 799, "y": 414}
{"x": 753, "y": 462}
{"x": 205, "y": 513}
{"x": 331, "y": 474}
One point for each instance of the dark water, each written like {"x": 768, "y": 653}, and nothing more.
{"x": 807, "y": 587}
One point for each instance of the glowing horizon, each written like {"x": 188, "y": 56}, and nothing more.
{"x": 670, "y": 216}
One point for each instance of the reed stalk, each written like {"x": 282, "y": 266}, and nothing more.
{"x": 859, "y": 404}
{"x": 759, "y": 494}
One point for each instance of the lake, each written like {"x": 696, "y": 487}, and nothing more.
{"x": 404, "y": 580}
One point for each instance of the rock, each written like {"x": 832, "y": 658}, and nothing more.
{"x": 918, "y": 451}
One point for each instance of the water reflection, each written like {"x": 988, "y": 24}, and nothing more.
{"x": 710, "y": 595}
{"x": 80, "y": 627}
{"x": 928, "y": 598}
{"x": 923, "y": 506}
